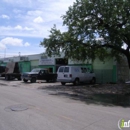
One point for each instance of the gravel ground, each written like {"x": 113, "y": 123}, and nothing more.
{"x": 103, "y": 94}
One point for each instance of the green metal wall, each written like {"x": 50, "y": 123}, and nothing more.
{"x": 3, "y": 64}
{"x": 115, "y": 73}
{"x": 105, "y": 71}
{"x": 24, "y": 66}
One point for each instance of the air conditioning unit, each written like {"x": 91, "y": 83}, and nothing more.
{"x": 23, "y": 58}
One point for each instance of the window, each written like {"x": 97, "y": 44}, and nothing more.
{"x": 35, "y": 70}
{"x": 61, "y": 69}
{"x": 84, "y": 70}
{"x": 42, "y": 72}
{"x": 66, "y": 69}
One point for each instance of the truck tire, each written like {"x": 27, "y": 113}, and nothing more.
{"x": 47, "y": 80}
{"x": 25, "y": 80}
{"x": 76, "y": 82}
{"x": 93, "y": 81}
{"x": 33, "y": 80}
{"x": 63, "y": 83}
{"x": 19, "y": 78}
{"x": 7, "y": 77}
{"x": 54, "y": 80}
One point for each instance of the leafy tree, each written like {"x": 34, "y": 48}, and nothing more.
{"x": 94, "y": 27}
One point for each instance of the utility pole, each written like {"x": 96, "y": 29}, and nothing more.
{"x": 5, "y": 53}
{"x": 19, "y": 54}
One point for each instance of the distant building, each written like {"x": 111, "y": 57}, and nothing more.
{"x": 108, "y": 71}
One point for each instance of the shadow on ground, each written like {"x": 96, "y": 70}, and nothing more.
{"x": 106, "y": 94}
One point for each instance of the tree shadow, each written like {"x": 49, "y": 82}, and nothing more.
{"x": 106, "y": 99}
{"x": 42, "y": 81}
{"x": 90, "y": 94}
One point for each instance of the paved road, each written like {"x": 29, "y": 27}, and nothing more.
{"x": 24, "y": 108}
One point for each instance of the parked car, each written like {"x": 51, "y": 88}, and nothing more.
{"x": 75, "y": 75}
{"x": 38, "y": 74}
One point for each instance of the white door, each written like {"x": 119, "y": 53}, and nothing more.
{"x": 60, "y": 73}
{"x": 66, "y": 72}
{"x": 82, "y": 75}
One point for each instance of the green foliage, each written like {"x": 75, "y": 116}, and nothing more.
{"x": 93, "y": 27}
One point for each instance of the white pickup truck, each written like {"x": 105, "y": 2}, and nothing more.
{"x": 75, "y": 75}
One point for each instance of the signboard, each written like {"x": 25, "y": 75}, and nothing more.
{"x": 46, "y": 61}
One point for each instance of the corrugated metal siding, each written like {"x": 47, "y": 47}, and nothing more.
{"x": 25, "y": 66}
{"x": 105, "y": 71}
{"x": 104, "y": 75}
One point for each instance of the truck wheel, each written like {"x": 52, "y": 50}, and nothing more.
{"x": 54, "y": 80}
{"x": 76, "y": 82}
{"x": 93, "y": 81}
{"x": 25, "y": 80}
{"x": 47, "y": 81}
{"x": 63, "y": 83}
{"x": 7, "y": 77}
{"x": 33, "y": 80}
{"x": 19, "y": 78}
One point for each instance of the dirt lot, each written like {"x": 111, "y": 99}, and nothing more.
{"x": 101, "y": 94}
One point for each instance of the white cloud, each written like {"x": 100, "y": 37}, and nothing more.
{"x": 12, "y": 42}
{"x": 26, "y": 44}
{"x": 28, "y": 29}
{"x": 25, "y": 16}
{"x": 5, "y": 16}
{"x": 18, "y": 27}
{"x": 38, "y": 20}
{"x": 2, "y": 46}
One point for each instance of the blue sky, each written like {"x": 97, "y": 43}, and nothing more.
{"x": 24, "y": 23}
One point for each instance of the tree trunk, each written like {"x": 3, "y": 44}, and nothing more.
{"x": 128, "y": 59}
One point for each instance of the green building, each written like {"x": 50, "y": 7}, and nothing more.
{"x": 106, "y": 72}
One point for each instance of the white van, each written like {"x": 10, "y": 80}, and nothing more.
{"x": 75, "y": 75}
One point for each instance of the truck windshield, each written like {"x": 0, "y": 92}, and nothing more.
{"x": 35, "y": 70}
